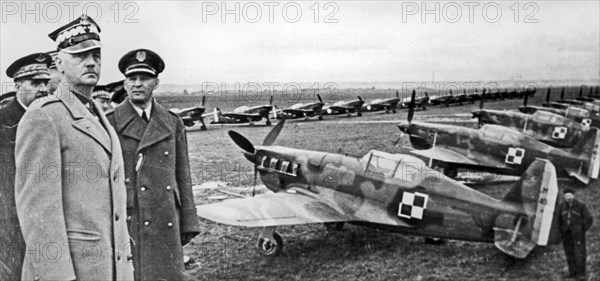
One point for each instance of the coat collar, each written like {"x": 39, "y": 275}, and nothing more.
{"x": 85, "y": 122}
{"x": 12, "y": 113}
{"x": 130, "y": 124}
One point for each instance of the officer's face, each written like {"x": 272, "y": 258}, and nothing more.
{"x": 104, "y": 103}
{"x": 82, "y": 69}
{"x": 139, "y": 87}
{"x": 28, "y": 90}
{"x": 54, "y": 82}
{"x": 569, "y": 197}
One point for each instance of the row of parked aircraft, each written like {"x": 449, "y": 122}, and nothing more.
{"x": 250, "y": 115}
{"x": 414, "y": 191}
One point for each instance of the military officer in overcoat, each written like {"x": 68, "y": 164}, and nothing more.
{"x": 575, "y": 220}
{"x": 31, "y": 77}
{"x": 160, "y": 204}
{"x": 69, "y": 186}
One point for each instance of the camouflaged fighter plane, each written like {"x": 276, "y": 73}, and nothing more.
{"x": 498, "y": 149}
{"x": 550, "y": 128}
{"x": 388, "y": 105}
{"x": 420, "y": 103}
{"x": 244, "y": 114}
{"x": 396, "y": 192}
{"x": 344, "y": 107}
{"x": 192, "y": 114}
{"x": 571, "y": 112}
{"x": 300, "y": 110}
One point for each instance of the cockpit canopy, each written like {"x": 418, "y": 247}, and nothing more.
{"x": 501, "y": 133}
{"x": 406, "y": 168}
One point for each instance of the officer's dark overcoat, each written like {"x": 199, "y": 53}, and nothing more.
{"x": 160, "y": 202}
{"x": 11, "y": 240}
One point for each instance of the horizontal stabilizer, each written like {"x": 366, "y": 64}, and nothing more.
{"x": 519, "y": 248}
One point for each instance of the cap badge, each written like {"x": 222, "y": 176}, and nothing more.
{"x": 40, "y": 58}
{"x": 141, "y": 56}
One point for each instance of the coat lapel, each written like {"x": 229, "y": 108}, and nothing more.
{"x": 85, "y": 122}
{"x": 131, "y": 125}
{"x": 158, "y": 129}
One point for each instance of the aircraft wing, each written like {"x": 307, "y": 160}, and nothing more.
{"x": 341, "y": 108}
{"x": 273, "y": 209}
{"x": 298, "y": 112}
{"x": 242, "y": 116}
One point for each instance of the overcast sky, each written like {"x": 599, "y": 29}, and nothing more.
{"x": 351, "y": 41}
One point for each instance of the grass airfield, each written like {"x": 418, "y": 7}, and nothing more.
{"x": 311, "y": 252}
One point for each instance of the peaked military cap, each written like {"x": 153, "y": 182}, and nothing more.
{"x": 141, "y": 61}
{"x": 569, "y": 190}
{"x": 78, "y": 36}
{"x": 34, "y": 66}
{"x": 52, "y": 55}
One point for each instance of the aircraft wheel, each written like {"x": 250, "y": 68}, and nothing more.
{"x": 270, "y": 248}
{"x": 268, "y": 123}
{"x": 334, "y": 226}
{"x": 320, "y": 118}
{"x": 203, "y": 128}
{"x": 359, "y": 114}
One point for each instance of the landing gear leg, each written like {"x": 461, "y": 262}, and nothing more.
{"x": 269, "y": 242}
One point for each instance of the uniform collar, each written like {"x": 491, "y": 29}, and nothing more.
{"x": 139, "y": 111}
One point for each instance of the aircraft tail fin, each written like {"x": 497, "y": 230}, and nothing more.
{"x": 536, "y": 194}
{"x": 589, "y": 147}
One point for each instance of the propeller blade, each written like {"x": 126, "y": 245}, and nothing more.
{"x": 482, "y": 100}
{"x": 320, "y": 99}
{"x": 271, "y": 100}
{"x": 255, "y": 177}
{"x": 548, "y": 95}
{"x": 242, "y": 142}
{"x": 590, "y": 93}
{"x": 360, "y": 99}
{"x": 273, "y": 134}
{"x": 525, "y": 97}
{"x": 398, "y": 94}
{"x": 581, "y": 91}
{"x": 562, "y": 93}
{"x": 203, "y": 100}
{"x": 411, "y": 106}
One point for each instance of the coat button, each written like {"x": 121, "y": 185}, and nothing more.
{"x": 168, "y": 187}
{"x": 127, "y": 180}
{"x": 166, "y": 153}
{"x": 116, "y": 217}
{"x": 118, "y": 257}
{"x": 143, "y": 188}
{"x": 128, "y": 218}
{"x": 146, "y": 223}
{"x": 170, "y": 224}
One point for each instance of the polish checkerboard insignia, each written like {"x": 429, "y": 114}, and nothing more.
{"x": 559, "y": 133}
{"x": 586, "y": 122}
{"x": 515, "y": 155}
{"x": 412, "y": 205}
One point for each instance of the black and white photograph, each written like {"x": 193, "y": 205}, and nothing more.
{"x": 299, "y": 140}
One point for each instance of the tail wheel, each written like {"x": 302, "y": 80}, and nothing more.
{"x": 270, "y": 248}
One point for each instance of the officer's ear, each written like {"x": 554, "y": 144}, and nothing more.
{"x": 156, "y": 82}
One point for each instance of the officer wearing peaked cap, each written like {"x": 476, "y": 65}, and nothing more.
{"x": 80, "y": 212}
{"x": 30, "y": 74}
{"x": 160, "y": 205}
{"x": 575, "y": 220}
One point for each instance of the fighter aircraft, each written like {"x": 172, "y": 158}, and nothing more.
{"x": 395, "y": 192}
{"x": 445, "y": 100}
{"x": 192, "y": 114}
{"x": 498, "y": 149}
{"x": 550, "y": 128}
{"x": 244, "y": 114}
{"x": 388, "y": 105}
{"x": 575, "y": 113}
{"x": 300, "y": 110}
{"x": 420, "y": 103}
{"x": 346, "y": 107}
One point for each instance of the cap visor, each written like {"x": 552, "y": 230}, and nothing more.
{"x": 140, "y": 70}
{"x": 82, "y": 47}
{"x": 41, "y": 76}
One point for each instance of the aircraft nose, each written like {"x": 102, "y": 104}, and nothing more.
{"x": 477, "y": 114}
{"x": 403, "y": 127}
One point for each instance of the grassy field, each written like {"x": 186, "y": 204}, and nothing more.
{"x": 355, "y": 253}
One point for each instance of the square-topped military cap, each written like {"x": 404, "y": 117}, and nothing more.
{"x": 34, "y": 66}
{"x": 141, "y": 61}
{"x": 78, "y": 36}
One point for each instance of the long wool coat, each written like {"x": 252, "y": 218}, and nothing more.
{"x": 12, "y": 246}
{"x": 70, "y": 193}
{"x": 160, "y": 203}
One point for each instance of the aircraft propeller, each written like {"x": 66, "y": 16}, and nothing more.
{"x": 562, "y": 93}
{"x": 250, "y": 151}
{"x": 411, "y": 112}
{"x": 548, "y": 95}
{"x": 580, "y": 91}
